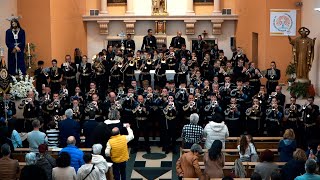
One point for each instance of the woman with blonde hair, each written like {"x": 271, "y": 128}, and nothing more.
{"x": 287, "y": 145}
{"x": 295, "y": 166}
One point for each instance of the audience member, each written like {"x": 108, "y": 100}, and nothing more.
{"x": 88, "y": 171}
{"x": 9, "y": 167}
{"x": 246, "y": 149}
{"x": 4, "y": 134}
{"x": 187, "y": 165}
{"x": 192, "y": 133}
{"x": 99, "y": 161}
{"x": 46, "y": 161}
{"x": 255, "y": 176}
{"x": 53, "y": 135}
{"x": 64, "y": 171}
{"x": 214, "y": 161}
{"x": 215, "y": 130}
{"x": 75, "y": 153}
{"x": 310, "y": 167}
{"x": 101, "y": 135}
{"x": 14, "y": 135}
{"x": 36, "y": 137}
{"x": 117, "y": 149}
{"x": 227, "y": 178}
{"x": 88, "y": 128}
{"x": 68, "y": 127}
{"x": 266, "y": 165}
{"x": 275, "y": 175}
{"x": 31, "y": 170}
{"x": 287, "y": 145}
{"x": 295, "y": 166}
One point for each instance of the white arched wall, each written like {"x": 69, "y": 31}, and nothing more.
{"x": 8, "y": 7}
{"x": 310, "y": 19}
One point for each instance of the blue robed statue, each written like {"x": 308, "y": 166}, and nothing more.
{"x": 15, "y": 41}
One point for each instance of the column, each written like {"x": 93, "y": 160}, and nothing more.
{"x": 130, "y": 7}
{"x": 216, "y": 7}
{"x": 103, "y": 8}
{"x": 190, "y": 10}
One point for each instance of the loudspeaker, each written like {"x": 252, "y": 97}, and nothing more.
{"x": 94, "y": 12}
{"x": 226, "y": 12}
{"x": 232, "y": 41}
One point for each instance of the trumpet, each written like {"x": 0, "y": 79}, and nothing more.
{"x": 183, "y": 68}
{"x": 192, "y": 104}
{"x": 214, "y": 104}
{"x": 55, "y": 69}
{"x": 129, "y": 97}
{"x": 292, "y": 108}
{"x": 205, "y": 62}
{"x": 149, "y": 96}
{"x": 44, "y": 71}
{"x": 84, "y": 68}
{"x": 233, "y": 107}
{"x": 76, "y": 110}
{"x": 170, "y": 106}
{"x": 305, "y": 106}
{"x": 66, "y": 66}
{"x": 255, "y": 108}
{"x": 116, "y": 106}
{"x": 91, "y": 91}
{"x": 26, "y": 101}
{"x": 274, "y": 107}
{"x": 91, "y": 106}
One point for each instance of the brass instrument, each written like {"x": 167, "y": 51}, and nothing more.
{"x": 149, "y": 96}
{"x": 183, "y": 68}
{"x": 84, "y": 68}
{"x": 66, "y": 66}
{"x": 91, "y": 106}
{"x": 192, "y": 104}
{"x": 44, "y": 71}
{"x": 305, "y": 106}
{"x": 131, "y": 63}
{"x": 126, "y": 65}
{"x": 6, "y": 106}
{"x": 163, "y": 60}
{"x": 129, "y": 97}
{"x": 255, "y": 108}
{"x": 170, "y": 106}
{"x": 149, "y": 61}
{"x": 55, "y": 69}
{"x": 157, "y": 68}
{"x": 292, "y": 108}
{"x": 273, "y": 73}
{"x": 91, "y": 91}
{"x": 205, "y": 62}
{"x": 274, "y": 107}
{"x": 99, "y": 67}
{"x": 76, "y": 110}
{"x": 53, "y": 104}
{"x": 26, "y": 101}
{"x": 64, "y": 93}
{"x": 137, "y": 59}
{"x": 114, "y": 67}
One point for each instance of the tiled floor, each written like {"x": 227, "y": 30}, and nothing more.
{"x": 139, "y": 168}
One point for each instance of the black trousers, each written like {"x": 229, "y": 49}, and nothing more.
{"x": 71, "y": 85}
{"x": 160, "y": 81}
{"x": 271, "y": 86}
{"x": 55, "y": 87}
{"x": 170, "y": 135}
{"x": 115, "y": 81}
{"x": 143, "y": 77}
{"x": 234, "y": 127}
{"x": 179, "y": 78}
{"x": 273, "y": 128}
{"x": 85, "y": 83}
{"x": 138, "y": 128}
{"x": 254, "y": 127}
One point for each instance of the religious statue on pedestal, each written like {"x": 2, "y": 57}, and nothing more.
{"x": 15, "y": 41}
{"x": 303, "y": 54}
{"x": 159, "y": 7}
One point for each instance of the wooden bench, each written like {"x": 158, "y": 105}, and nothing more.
{"x": 258, "y": 145}
{"x": 109, "y": 174}
{"x": 257, "y": 139}
{"x": 231, "y": 150}
{"x": 232, "y": 158}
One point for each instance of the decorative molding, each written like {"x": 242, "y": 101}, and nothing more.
{"x": 216, "y": 27}
{"x": 190, "y": 27}
{"x": 106, "y": 17}
{"x": 103, "y": 26}
{"x": 129, "y": 26}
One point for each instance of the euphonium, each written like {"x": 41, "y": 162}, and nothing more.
{"x": 44, "y": 71}
{"x": 163, "y": 60}
{"x": 292, "y": 108}
{"x": 149, "y": 61}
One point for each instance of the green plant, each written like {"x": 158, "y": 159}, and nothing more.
{"x": 291, "y": 69}
{"x": 299, "y": 89}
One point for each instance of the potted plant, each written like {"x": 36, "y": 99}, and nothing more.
{"x": 299, "y": 89}
{"x": 291, "y": 73}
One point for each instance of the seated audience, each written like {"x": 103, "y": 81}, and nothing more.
{"x": 275, "y": 175}
{"x": 75, "y": 153}
{"x": 53, "y": 135}
{"x": 266, "y": 165}
{"x": 64, "y": 171}
{"x": 9, "y": 167}
{"x": 88, "y": 171}
{"x": 31, "y": 170}
{"x": 310, "y": 167}
{"x": 287, "y": 145}
{"x": 192, "y": 133}
{"x": 214, "y": 161}
{"x": 295, "y": 166}
{"x": 68, "y": 127}
{"x": 215, "y": 130}
{"x": 46, "y": 161}
{"x": 36, "y": 137}
{"x": 99, "y": 161}
{"x": 88, "y": 128}
{"x": 246, "y": 149}
{"x": 4, "y": 134}
{"x": 187, "y": 165}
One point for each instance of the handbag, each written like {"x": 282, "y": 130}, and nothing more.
{"x": 89, "y": 173}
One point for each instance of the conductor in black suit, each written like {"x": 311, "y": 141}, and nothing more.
{"x": 149, "y": 42}
{"x": 177, "y": 41}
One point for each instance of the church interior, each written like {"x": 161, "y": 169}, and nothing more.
{"x": 55, "y": 28}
